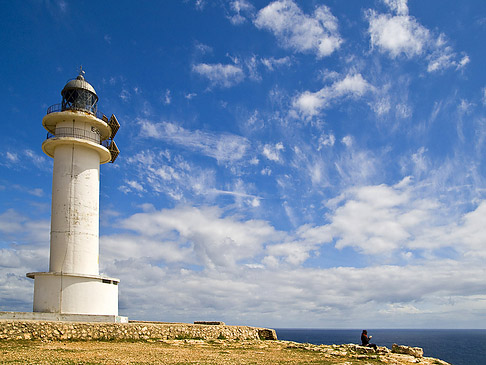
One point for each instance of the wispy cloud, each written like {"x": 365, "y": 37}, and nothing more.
{"x": 311, "y": 103}
{"x": 167, "y": 98}
{"x": 273, "y": 152}
{"x": 223, "y": 147}
{"x": 12, "y": 157}
{"x": 25, "y": 159}
{"x": 272, "y": 63}
{"x": 162, "y": 172}
{"x": 239, "y": 11}
{"x": 220, "y": 75}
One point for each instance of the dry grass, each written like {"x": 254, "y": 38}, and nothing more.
{"x": 186, "y": 352}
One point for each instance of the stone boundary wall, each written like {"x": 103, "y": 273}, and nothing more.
{"x": 44, "y": 330}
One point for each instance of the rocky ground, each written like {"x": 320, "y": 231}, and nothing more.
{"x": 197, "y": 352}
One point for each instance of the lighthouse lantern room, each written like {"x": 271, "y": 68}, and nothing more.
{"x": 79, "y": 139}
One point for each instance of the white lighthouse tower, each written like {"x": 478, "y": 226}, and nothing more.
{"x": 79, "y": 139}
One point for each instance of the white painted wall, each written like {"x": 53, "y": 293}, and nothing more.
{"x": 68, "y": 294}
{"x": 75, "y": 210}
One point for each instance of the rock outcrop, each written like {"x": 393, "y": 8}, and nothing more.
{"x": 410, "y": 355}
{"x": 407, "y": 350}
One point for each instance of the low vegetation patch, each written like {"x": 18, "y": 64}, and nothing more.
{"x": 190, "y": 350}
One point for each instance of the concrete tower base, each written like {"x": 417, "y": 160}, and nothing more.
{"x": 68, "y": 294}
{"x": 56, "y": 317}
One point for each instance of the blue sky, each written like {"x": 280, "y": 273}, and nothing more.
{"x": 283, "y": 163}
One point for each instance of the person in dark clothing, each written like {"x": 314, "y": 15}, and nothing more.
{"x": 365, "y": 340}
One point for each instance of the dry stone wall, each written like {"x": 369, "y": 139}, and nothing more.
{"x": 30, "y": 330}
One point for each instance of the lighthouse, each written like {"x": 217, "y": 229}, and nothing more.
{"x": 79, "y": 139}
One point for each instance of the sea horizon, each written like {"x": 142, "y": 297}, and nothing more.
{"x": 456, "y": 346}
{"x": 377, "y": 328}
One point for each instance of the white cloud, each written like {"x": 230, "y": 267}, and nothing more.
{"x": 196, "y": 251}
{"x": 347, "y": 141}
{"x": 311, "y": 165}
{"x": 463, "y": 62}
{"x": 223, "y": 147}
{"x": 326, "y": 140}
{"x": 372, "y": 222}
{"x": 220, "y": 75}
{"x": 398, "y": 6}
{"x": 400, "y": 34}
{"x": 420, "y": 161}
{"x": 162, "y": 172}
{"x": 468, "y": 235}
{"x": 272, "y": 63}
{"x": 382, "y": 220}
{"x": 303, "y": 33}
{"x": 10, "y": 221}
{"x": 381, "y": 106}
{"x": 254, "y": 121}
{"x": 241, "y": 194}
{"x": 390, "y": 99}
{"x": 63, "y": 7}
{"x": 36, "y": 192}
{"x": 22, "y": 232}
{"x": 215, "y": 240}
{"x": 125, "y": 94}
{"x": 311, "y": 103}
{"x": 241, "y": 259}
{"x": 293, "y": 253}
{"x": 24, "y": 160}
{"x": 252, "y": 67}
{"x": 167, "y": 97}
{"x": 272, "y": 152}
{"x": 199, "y": 4}
{"x": 170, "y": 174}
{"x": 266, "y": 171}
{"x": 202, "y": 48}
{"x": 39, "y": 161}
{"x": 135, "y": 185}
{"x": 12, "y": 157}
{"x": 240, "y": 9}
{"x": 355, "y": 166}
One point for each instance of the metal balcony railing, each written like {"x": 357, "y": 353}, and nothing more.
{"x": 58, "y": 108}
{"x": 93, "y": 135}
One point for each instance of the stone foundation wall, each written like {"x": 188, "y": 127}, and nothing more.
{"x": 31, "y": 330}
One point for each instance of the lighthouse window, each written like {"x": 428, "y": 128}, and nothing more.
{"x": 105, "y": 281}
{"x": 78, "y": 99}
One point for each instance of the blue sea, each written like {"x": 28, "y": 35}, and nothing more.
{"x": 458, "y": 347}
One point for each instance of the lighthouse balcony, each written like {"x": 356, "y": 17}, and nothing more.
{"x": 92, "y": 134}
{"x": 82, "y": 107}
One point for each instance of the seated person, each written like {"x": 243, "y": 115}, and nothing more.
{"x": 365, "y": 340}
